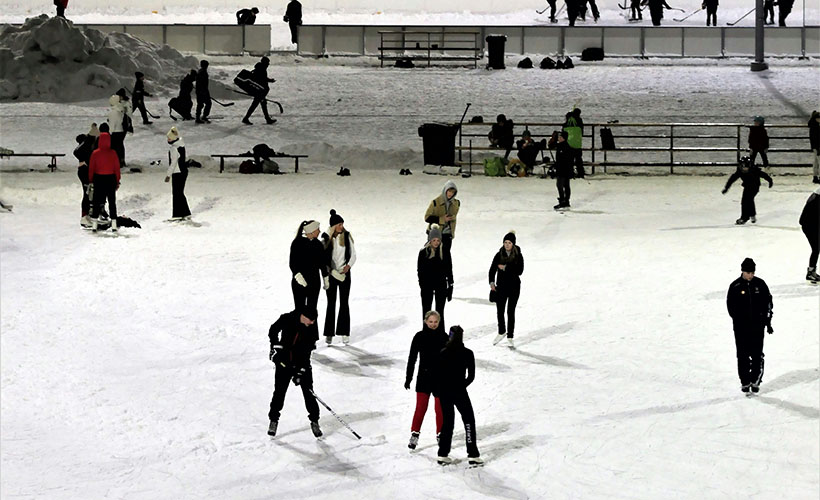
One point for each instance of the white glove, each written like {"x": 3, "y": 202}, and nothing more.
{"x": 326, "y": 282}
{"x": 300, "y": 279}
{"x": 339, "y": 276}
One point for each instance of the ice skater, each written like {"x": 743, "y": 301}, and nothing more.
{"x": 443, "y": 211}
{"x": 119, "y": 122}
{"x": 505, "y": 280}
{"x": 290, "y": 354}
{"x": 759, "y": 141}
{"x": 656, "y": 8}
{"x": 426, "y": 346}
{"x": 809, "y": 224}
{"x": 177, "y": 174}
{"x": 711, "y": 7}
{"x": 435, "y": 272}
{"x": 341, "y": 255}
{"x": 83, "y": 151}
{"x": 203, "y": 95}
{"x": 308, "y": 263}
{"x": 750, "y": 176}
{"x": 456, "y": 371}
{"x": 750, "y": 306}
{"x": 138, "y": 97}
{"x": 260, "y": 76}
{"x": 564, "y": 158}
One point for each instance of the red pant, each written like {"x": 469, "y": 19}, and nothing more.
{"x": 422, "y": 398}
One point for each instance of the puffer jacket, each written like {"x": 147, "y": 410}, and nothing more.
{"x": 104, "y": 160}
{"x": 441, "y": 207}
{"x": 117, "y": 109}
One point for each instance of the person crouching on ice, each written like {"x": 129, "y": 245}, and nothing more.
{"x": 177, "y": 174}
{"x": 426, "y": 346}
{"x": 290, "y": 354}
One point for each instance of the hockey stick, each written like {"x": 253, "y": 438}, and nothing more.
{"x": 152, "y": 115}
{"x": 222, "y": 103}
{"x": 741, "y": 18}
{"x": 560, "y": 10}
{"x": 690, "y": 15}
{"x": 334, "y": 414}
{"x": 281, "y": 111}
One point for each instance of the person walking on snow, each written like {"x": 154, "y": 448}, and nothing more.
{"x": 341, "y": 255}
{"x": 711, "y": 7}
{"x": 435, "y": 273}
{"x": 426, "y": 346}
{"x": 292, "y": 339}
{"x": 177, "y": 174}
{"x": 138, "y": 98}
{"x": 119, "y": 122}
{"x": 104, "y": 174}
{"x": 454, "y": 361}
{"x": 814, "y": 141}
{"x": 203, "y": 95}
{"x": 83, "y": 151}
{"x": 443, "y": 211}
{"x": 750, "y": 176}
{"x": 750, "y": 307}
{"x": 293, "y": 16}
{"x": 260, "y": 76}
{"x": 759, "y": 141}
{"x": 811, "y": 228}
{"x": 564, "y": 157}
{"x": 308, "y": 263}
{"x": 505, "y": 281}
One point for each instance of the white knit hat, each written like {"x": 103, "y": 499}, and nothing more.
{"x": 311, "y": 226}
{"x": 172, "y": 134}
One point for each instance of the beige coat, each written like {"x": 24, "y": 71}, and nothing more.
{"x": 438, "y": 208}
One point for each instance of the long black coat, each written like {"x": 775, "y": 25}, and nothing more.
{"x": 749, "y": 303}
{"x": 297, "y": 340}
{"x": 811, "y": 213}
{"x": 426, "y": 346}
{"x": 510, "y": 278}
{"x": 814, "y": 134}
{"x": 309, "y": 258}
{"x": 563, "y": 159}
{"x": 435, "y": 271}
{"x": 456, "y": 370}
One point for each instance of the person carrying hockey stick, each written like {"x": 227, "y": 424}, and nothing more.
{"x": 292, "y": 339}
{"x": 260, "y": 76}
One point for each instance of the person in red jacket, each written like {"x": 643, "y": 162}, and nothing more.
{"x": 104, "y": 175}
{"x": 61, "y": 5}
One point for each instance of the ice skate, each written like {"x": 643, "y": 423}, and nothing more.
{"x": 745, "y": 387}
{"x": 85, "y": 222}
{"x": 445, "y": 460}
{"x": 414, "y": 440}
{"x": 740, "y": 221}
{"x": 328, "y": 340}
{"x": 755, "y": 388}
{"x": 317, "y": 431}
{"x": 499, "y": 338}
{"x": 345, "y": 339}
{"x": 475, "y": 460}
{"x": 511, "y": 342}
{"x": 274, "y": 424}
{"x": 114, "y": 225}
{"x": 753, "y": 219}
{"x": 811, "y": 276}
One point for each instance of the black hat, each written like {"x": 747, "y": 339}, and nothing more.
{"x": 526, "y": 133}
{"x": 121, "y": 92}
{"x": 335, "y": 218}
{"x": 510, "y": 237}
{"x": 565, "y": 134}
{"x": 203, "y": 63}
{"x": 138, "y": 74}
{"x": 309, "y": 312}
{"x": 264, "y": 60}
{"x": 748, "y": 265}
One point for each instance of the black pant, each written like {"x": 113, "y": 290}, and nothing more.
{"x": 508, "y": 298}
{"x": 461, "y": 401}
{"x": 572, "y": 13}
{"x": 82, "y": 173}
{"x": 749, "y": 345}
{"x": 814, "y": 241}
{"x": 747, "y": 202}
{"x": 427, "y": 294}
{"x": 711, "y": 15}
{"x": 305, "y": 296}
{"x": 657, "y": 14}
{"x": 552, "y": 10}
{"x": 178, "y": 190}
{"x": 343, "y": 327}
{"x": 61, "y": 11}
{"x": 280, "y": 388}
{"x": 635, "y": 9}
{"x": 140, "y": 105}
{"x": 105, "y": 188}
{"x": 762, "y": 157}
{"x": 768, "y": 11}
{"x": 594, "y": 9}
{"x": 783, "y": 14}
{"x": 258, "y": 101}
{"x": 203, "y": 101}
{"x": 294, "y": 32}
{"x": 564, "y": 191}
{"x": 118, "y": 145}
{"x": 446, "y": 245}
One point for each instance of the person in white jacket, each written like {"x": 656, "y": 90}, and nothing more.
{"x": 341, "y": 255}
{"x": 177, "y": 174}
{"x": 119, "y": 126}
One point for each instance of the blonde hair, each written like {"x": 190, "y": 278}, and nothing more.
{"x": 432, "y": 313}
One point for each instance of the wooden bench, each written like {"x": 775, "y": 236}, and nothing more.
{"x": 52, "y": 166}
{"x": 277, "y": 155}
{"x": 431, "y": 45}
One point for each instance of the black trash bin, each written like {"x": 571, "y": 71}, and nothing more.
{"x": 495, "y": 51}
{"x": 439, "y": 140}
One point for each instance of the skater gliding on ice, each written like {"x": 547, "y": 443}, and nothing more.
{"x": 426, "y": 346}
{"x": 177, "y": 174}
{"x": 750, "y": 176}
{"x": 341, "y": 255}
{"x": 308, "y": 263}
{"x": 750, "y": 306}
{"x": 505, "y": 281}
{"x": 811, "y": 228}
{"x": 435, "y": 272}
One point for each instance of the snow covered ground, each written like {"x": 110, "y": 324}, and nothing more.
{"x": 136, "y": 366}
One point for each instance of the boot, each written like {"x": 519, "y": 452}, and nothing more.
{"x": 753, "y": 219}
{"x": 499, "y": 338}
{"x": 755, "y": 387}
{"x": 414, "y": 440}
{"x": 445, "y": 460}
{"x": 511, "y": 342}
{"x": 745, "y": 387}
{"x": 345, "y": 339}
{"x": 94, "y": 223}
{"x": 114, "y": 225}
{"x": 811, "y": 275}
{"x": 328, "y": 339}
{"x": 741, "y": 221}
{"x": 317, "y": 431}
{"x": 475, "y": 460}
{"x": 274, "y": 424}
{"x": 85, "y": 221}
{"x": 246, "y": 121}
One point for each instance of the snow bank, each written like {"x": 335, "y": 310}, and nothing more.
{"x": 48, "y": 59}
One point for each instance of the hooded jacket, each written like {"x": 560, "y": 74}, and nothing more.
{"x": 441, "y": 207}
{"x": 176, "y": 158}
{"x": 456, "y": 370}
{"x": 104, "y": 160}
{"x": 117, "y": 109}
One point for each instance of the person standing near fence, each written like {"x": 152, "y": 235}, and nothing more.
{"x": 759, "y": 141}
{"x": 308, "y": 263}
{"x": 656, "y": 8}
{"x": 426, "y": 346}
{"x": 246, "y": 16}
{"x": 341, "y": 255}
{"x": 711, "y": 7}
{"x": 293, "y": 16}
{"x": 564, "y": 157}
{"x": 505, "y": 282}
{"x": 104, "y": 174}
{"x": 814, "y": 141}
{"x": 784, "y": 8}
{"x": 811, "y": 228}
{"x": 750, "y": 177}
{"x": 435, "y": 273}
{"x": 177, "y": 174}
{"x": 203, "y": 95}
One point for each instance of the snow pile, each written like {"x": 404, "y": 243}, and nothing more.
{"x": 49, "y": 59}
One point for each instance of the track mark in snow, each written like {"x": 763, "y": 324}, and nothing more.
{"x": 549, "y": 360}
{"x": 383, "y": 325}
{"x": 206, "y": 204}
{"x": 803, "y": 411}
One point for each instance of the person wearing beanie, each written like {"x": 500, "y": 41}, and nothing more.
{"x": 177, "y": 174}
{"x": 426, "y": 346}
{"x": 574, "y": 127}
{"x": 119, "y": 121}
{"x": 340, "y": 255}
{"x": 104, "y": 175}
{"x": 759, "y": 141}
{"x": 750, "y": 307}
{"x": 505, "y": 284}
{"x": 456, "y": 371}
{"x": 260, "y": 76}
{"x": 203, "y": 95}
{"x": 814, "y": 143}
{"x": 435, "y": 273}
{"x": 750, "y": 176}
{"x": 811, "y": 228}
{"x": 443, "y": 211}
{"x": 308, "y": 266}
{"x": 138, "y": 98}
{"x": 246, "y": 16}
{"x": 85, "y": 146}
{"x": 563, "y": 170}
{"x": 291, "y": 343}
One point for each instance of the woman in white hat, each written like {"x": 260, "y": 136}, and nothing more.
{"x": 177, "y": 174}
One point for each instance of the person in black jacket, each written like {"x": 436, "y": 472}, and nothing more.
{"x": 184, "y": 103}
{"x": 564, "y": 160}
{"x": 501, "y": 134}
{"x": 814, "y": 141}
{"x": 759, "y": 140}
{"x": 656, "y": 10}
{"x": 768, "y": 11}
{"x": 426, "y": 346}
{"x": 86, "y": 143}
{"x": 711, "y": 7}
{"x": 246, "y": 16}
{"x": 750, "y": 176}
{"x": 505, "y": 282}
{"x": 454, "y": 362}
{"x": 435, "y": 273}
{"x": 260, "y": 76}
{"x": 308, "y": 263}
{"x": 293, "y": 16}
{"x": 528, "y": 150}
{"x": 574, "y": 8}
{"x": 750, "y": 306}
{"x": 138, "y": 97}
{"x": 290, "y": 354}
{"x": 811, "y": 228}
{"x": 784, "y": 8}
{"x": 203, "y": 95}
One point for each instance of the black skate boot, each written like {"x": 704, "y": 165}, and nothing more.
{"x": 314, "y": 427}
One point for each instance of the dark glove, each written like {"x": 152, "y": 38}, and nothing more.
{"x": 769, "y": 329}
{"x": 297, "y": 377}
{"x": 274, "y": 352}
{"x": 581, "y": 172}
{"x": 771, "y": 183}
{"x": 407, "y": 384}
{"x": 450, "y": 292}
{"x": 433, "y": 219}
{"x": 285, "y": 18}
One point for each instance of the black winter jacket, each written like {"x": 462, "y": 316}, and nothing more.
{"x": 309, "y": 258}
{"x": 435, "y": 271}
{"x": 297, "y": 340}
{"x": 749, "y": 303}
{"x": 139, "y": 93}
{"x": 810, "y": 215}
{"x": 510, "y": 277}
{"x": 293, "y": 13}
{"x": 750, "y": 179}
{"x": 814, "y": 134}
{"x": 563, "y": 160}
{"x": 453, "y": 363}
{"x": 202, "y": 84}
{"x": 426, "y": 345}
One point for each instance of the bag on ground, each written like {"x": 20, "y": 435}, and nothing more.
{"x": 494, "y": 167}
